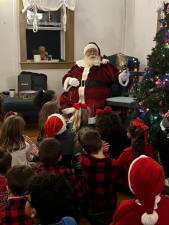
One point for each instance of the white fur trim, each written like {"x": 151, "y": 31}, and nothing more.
{"x": 167, "y": 182}
{"x": 81, "y": 89}
{"x": 161, "y": 126}
{"x": 85, "y": 73}
{"x": 104, "y": 61}
{"x": 89, "y": 46}
{"x": 92, "y": 120}
{"x": 81, "y": 92}
{"x": 149, "y": 219}
{"x": 81, "y": 63}
{"x": 157, "y": 200}
{"x": 63, "y": 121}
{"x": 66, "y": 85}
{"x": 69, "y": 110}
{"x": 129, "y": 171}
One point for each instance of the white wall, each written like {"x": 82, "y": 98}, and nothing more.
{"x": 102, "y": 21}
{"x": 8, "y": 45}
{"x": 141, "y": 25}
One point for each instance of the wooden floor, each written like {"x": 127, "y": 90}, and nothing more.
{"x": 32, "y": 131}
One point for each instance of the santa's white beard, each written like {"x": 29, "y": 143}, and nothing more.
{"x": 92, "y": 61}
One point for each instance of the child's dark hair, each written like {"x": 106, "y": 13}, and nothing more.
{"x": 137, "y": 139}
{"x": 108, "y": 123}
{"x": 5, "y": 161}
{"x": 47, "y": 109}
{"x": 51, "y": 196}
{"x": 49, "y": 151}
{"x": 42, "y": 97}
{"x": 18, "y": 179}
{"x": 89, "y": 139}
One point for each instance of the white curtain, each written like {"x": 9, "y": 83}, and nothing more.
{"x": 48, "y": 5}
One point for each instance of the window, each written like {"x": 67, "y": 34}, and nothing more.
{"x": 50, "y": 34}
{"x": 58, "y": 44}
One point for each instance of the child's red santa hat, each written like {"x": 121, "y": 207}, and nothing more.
{"x": 54, "y": 125}
{"x": 146, "y": 181}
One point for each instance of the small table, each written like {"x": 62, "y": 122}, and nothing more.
{"x": 124, "y": 103}
{"x": 121, "y": 101}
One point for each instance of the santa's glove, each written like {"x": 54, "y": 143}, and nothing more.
{"x": 124, "y": 78}
{"x": 73, "y": 82}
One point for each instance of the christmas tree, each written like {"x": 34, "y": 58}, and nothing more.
{"x": 153, "y": 92}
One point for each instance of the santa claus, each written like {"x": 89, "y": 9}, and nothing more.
{"x": 90, "y": 81}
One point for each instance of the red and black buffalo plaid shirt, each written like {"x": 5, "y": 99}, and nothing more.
{"x": 67, "y": 173}
{"x": 14, "y": 213}
{"x": 99, "y": 176}
{"x": 3, "y": 191}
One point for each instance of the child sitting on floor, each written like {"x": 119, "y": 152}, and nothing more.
{"x": 14, "y": 212}
{"x": 13, "y": 140}
{"x": 99, "y": 175}
{"x": 47, "y": 109}
{"x": 138, "y": 133}
{"x": 50, "y": 153}
{"x": 111, "y": 131}
{"x": 5, "y": 164}
{"x": 56, "y": 127}
{"x": 50, "y": 200}
{"x": 146, "y": 182}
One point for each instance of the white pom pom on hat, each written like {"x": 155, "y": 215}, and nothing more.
{"x": 149, "y": 219}
{"x": 146, "y": 181}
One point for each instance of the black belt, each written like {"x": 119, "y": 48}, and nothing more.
{"x": 95, "y": 83}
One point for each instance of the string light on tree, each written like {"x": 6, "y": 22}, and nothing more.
{"x": 153, "y": 92}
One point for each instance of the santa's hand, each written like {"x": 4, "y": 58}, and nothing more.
{"x": 73, "y": 82}
{"x": 124, "y": 78}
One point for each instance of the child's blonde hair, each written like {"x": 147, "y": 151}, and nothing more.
{"x": 79, "y": 118}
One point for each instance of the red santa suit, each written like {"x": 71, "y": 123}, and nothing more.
{"x": 146, "y": 181}
{"x": 95, "y": 85}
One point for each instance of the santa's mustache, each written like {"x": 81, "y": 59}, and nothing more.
{"x": 92, "y": 60}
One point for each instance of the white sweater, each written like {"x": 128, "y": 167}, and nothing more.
{"x": 19, "y": 157}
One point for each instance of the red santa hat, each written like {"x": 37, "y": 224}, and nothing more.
{"x": 91, "y": 45}
{"x": 146, "y": 181}
{"x": 54, "y": 125}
